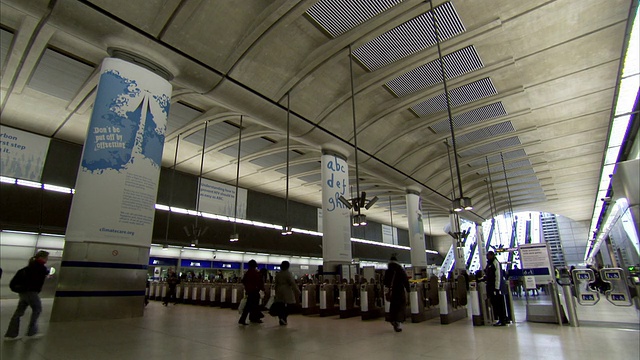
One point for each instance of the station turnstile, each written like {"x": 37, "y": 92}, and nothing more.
{"x": 327, "y": 301}
{"x": 309, "y": 299}
{"x": 370, "y": 298}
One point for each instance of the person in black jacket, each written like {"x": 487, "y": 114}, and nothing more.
{"x": 395, "y": 280}
{"x": 253, "y": 284}
{"x": 172, "y": 282}
{"x": 36, "y": 273}
{"x": 494, "y": 279}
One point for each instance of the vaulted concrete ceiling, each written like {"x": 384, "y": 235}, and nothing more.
{"x": 532, "y": 82}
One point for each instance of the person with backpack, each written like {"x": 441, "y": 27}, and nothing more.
{"x": 28, "y": 283}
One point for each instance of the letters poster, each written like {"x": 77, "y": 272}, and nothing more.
{"x": 220, "y": 199}
{"x": 117, "y": 181}
{"x": 336, "y": 222}
{"x": 22, "y": 154}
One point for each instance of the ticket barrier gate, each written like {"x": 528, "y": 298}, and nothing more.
{"x": 159, "y": 288}
{"x": 204, "y": 294}
{"x": 347, "y": 302}
{"x": 452, "y": 300}
{"x": 369, "y": 300}
{"x": 225, "y": 295}
{"x": 214, "y": 294}
{"x": 151, "y": 290}
{"x": 309, "y": 296}
{"x": 186, "y": 292}
{"x": 237, "y": 293}
{"x": 179, "y": 293}
{"x": 481, "y": 312}
{"x": 620, "y": 292}
{"x": 423, "y": 299}
{"x": 327, "y": 301}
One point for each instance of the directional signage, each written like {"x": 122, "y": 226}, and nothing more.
{"x": 536, "y": 262}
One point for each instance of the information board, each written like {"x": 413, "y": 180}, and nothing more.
{"x": 535, "y": 261}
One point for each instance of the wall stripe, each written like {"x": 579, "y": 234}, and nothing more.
{"x": 104, "y": 265}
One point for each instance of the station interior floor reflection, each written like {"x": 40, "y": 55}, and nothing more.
{"x": 199, "y": 332}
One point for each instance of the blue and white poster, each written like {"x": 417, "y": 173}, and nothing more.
{"x": 117, "y": 182}
{"x": 22, "y": 154}
{"x": 220, "y": 199}
{"x": 389, "y": 234}
{"x": 336, "y": 234}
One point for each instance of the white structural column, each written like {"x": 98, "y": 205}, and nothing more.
{"x": 457, "y": 243}
{"x": 416, "y": 232}
{"x": 336, "y": 222}
{"x": 482, "y": 253}
{"x": 106, "y": 253}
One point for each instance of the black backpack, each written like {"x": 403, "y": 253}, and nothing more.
{"x": 19, "y": 282}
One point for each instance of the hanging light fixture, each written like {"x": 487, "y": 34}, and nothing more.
{"x": 462, "y": 202}
{"x": 194, "y": 231}
{"x": 286, "y": 229}
{"x": 360, "y": 201}
{"x": 235, "y": 237}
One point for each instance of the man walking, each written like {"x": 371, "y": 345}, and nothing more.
{"x": 28, "y": 284}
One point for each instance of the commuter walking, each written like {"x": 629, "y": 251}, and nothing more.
{"x": 494, "y": 279}
{"x": 28, "y": 283}
{"x": 397, "y": 285}
{"x": 286, "y": 292}
{"x": 172, "y": 283}
{"x": 253, "y": 283}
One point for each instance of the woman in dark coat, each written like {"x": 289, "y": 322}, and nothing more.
{"x": 395, "y": 279}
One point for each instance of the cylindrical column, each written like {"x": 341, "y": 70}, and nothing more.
{"x": 111, "y": 220}
{"x": 481, "y": 246}
{"x": 416, "y": 232}
{"x": 336, "y": 224}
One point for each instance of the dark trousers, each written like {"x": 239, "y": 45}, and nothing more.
{"x": 27, "y": 299}
{"x": 283, "y": 311}
{"x": 499, "y": 311}
{"x": 171, "y": 294}
{"x": 252, "y": 307}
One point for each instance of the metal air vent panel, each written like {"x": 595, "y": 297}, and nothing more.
{"x": 311, "y": 178}
{"x": 6, "y": 38}
{"x": 459, "y": 96}
{"x": 59, "y": 75}
{"x": 300, "y": 168}
{"x": 409, "y": 38}
{"x": 274, "y": 159}
{"x": 490, "y": 111}
{"x": 248, "y": 147}
{"x": 215, "y": 134}
{"x": 491, "y": 147}
{"x": 179, "y": 116}
{"x": 456, "y": 64}
{"x": 484, "y": 133}
{"x": 339, "y": 16}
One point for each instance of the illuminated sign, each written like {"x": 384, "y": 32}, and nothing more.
{"x": 618, "y": 297}
{"x": 612, "y": 275}
{"x": 583, "y": 276}
{"x": 228, "y": 266}
{"x": 588, "y": 297}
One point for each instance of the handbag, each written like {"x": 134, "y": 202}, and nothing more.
{"x": 276, "y": 308}
{"x": 269, "y": 302}
{"x": 242, "y": 304}
{"x": 388, "y": 291}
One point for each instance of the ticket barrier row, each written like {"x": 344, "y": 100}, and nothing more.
{"x": 215, "y": 294}
{"x": 452, "y": 300}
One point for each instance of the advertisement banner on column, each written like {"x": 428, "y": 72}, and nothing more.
{"x": 220, "y": 199}
{"x": 416, "y": 230}
{"x": 22, "y": 154}
{"x": 336, "y": 224}
{"x": 117, "y": 181}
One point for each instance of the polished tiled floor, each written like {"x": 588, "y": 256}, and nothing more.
{"x": 195, "y": 332}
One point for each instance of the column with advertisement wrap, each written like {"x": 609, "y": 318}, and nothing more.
{"x": 104, "y": 266}
{"x": 336, "y": 224}
{"x": 416, "y": 231}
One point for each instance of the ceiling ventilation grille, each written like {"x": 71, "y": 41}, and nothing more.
{"x": 215, "y": 134}
{"x": 509, "y": 155}
{"x": 248, "y": 147}
{"x": 484, "y": 133}
{"x": 491, "y": 147}
{"x": 6, "y": 38}
{"x": 528, "y": 186}
{"x": 179, "y": 116}
{"x": 59, "y": 75}
{"x": 300, "y": 168}
{"x": 274, "y": 159}
{"x": 315, "y": 178}
{"x": 456, "y": 64}
{"x": 459, "y": 96}
{"x": 490, "y": 111}
{"x": 339, "y": 16}
{"x": 409, "y": 38}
